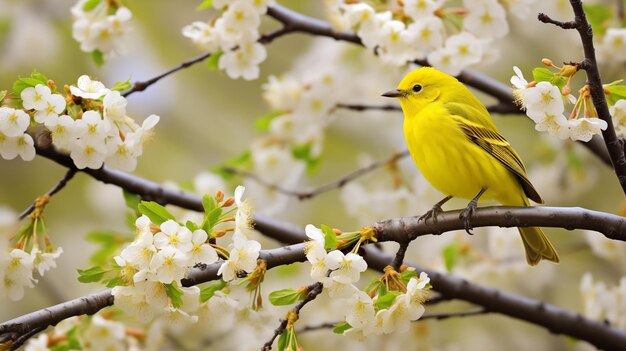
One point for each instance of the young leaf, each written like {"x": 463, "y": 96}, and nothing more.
{"x": 98, "y": 57}
{"x": 175, "y": 293}
{"x": 191, "y": 226}
{"x": 208, "y": 203}
{"x": 542, "y": 74}
{"x": 90, "y": 275}
{"x": 408, "y": 274}
{"x": 263, "y": 123}
{"x": 330, "y": 238}
{"x": 282, "y": 341}
{"x": 286, "y": 297}
{"x": 451, "y": 255}
{"x": 386, "y": 300}
{"x": 117, "y": 281}
{"x": 341, "y": 327}
{"x": 616, "y": 92}
{"x": 214, "y": 60}
{"x": 132, "y": 200}
{"x": 205, "y": 5}
{"x": 90, "y": 5}
{"x": 207, "y": 292}
{"x": 598, "y": 16}
{"x": 157, "y": 213}
{"x": 121, "y": 86}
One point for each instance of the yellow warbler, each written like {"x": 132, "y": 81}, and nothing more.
{"x": 455, "y": 144}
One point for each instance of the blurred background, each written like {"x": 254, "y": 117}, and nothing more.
{"x": 207, "y": 118}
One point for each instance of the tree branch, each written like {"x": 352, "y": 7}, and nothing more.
{"x": 313, "y": 291}
{"x": 590, "y": 65}
{"x": 308, "y": 194}
{"x": 55, "y": 189}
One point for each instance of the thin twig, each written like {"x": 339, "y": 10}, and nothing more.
{"x": 313, "y": 291}
{"x": 55, "y": 189}
{"x": 399, "y": 259}
{"x": 590, "y": 65}
{"x": 308, "y": 328}
{"x": 308, "y": 194}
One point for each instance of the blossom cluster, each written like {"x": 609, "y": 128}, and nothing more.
{"x": 418, "y": 29}
{"x": 366, "y": 314}
{"x": 156, "y": 262}
{"x": 544, "y": 103}
{"x": 90, "y": 123}
{"x": 100, "y": 25}
{"x": 19, "y": 264}
{"x": 233, "y": 36}
{"x": 604, "y": 303}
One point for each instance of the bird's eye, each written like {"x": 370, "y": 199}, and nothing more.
{"x": 417, "y": 88}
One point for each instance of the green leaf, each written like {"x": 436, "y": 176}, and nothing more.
{"x": 191, "y": 226}
{"x": 341, "y": 327}
{"x": 286, "y": 296}
{"x": 175, "y": 293}
{"x": 207, "y": 292}
{"x": 451, "y": 255}
{"x": 90, "y": 275}
{"x": 35, "y": 79}
{"x": 282, "y": 341}
{"x": 386, "y": 300}
{"x": 214, "y": 60}
{"x": 117, "y": 281}
{"x": 90, "y": 5}
{"x": 157, "y": 213}
{"x": 98, "y": 57}
{"x": 109, "y": 243}
{"x": 39, "y": 77}
{"x": 121, "y": 86}
{"x": 242, "y": 161}
{"x": 212, "y": 213}
{"x": 616, "y": 92}
{"x": 330, "y": 238}
{"x": 205, "y": 5}
{"x": 408, "y": 274}
{"x": 374, "y": 284}
{"x": 132, "y": 200}
{"x": 542, "y": 74}
{"x": 598, "y": 16}
{"x": 263, "y": 123}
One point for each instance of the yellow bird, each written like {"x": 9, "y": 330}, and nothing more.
{"x": 455, "y": 144}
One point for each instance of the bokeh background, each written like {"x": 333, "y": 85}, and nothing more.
{"x": 207, "y": 118}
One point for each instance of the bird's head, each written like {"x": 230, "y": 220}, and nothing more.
{"x": 421, "y": 87}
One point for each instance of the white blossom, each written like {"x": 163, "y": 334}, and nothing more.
{"x": 13, "y": 123}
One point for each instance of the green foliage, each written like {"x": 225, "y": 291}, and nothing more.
{"x": 175, "y": 293}
{"x": 451, "y": 254}
{"x": 109, "y": 243}
{"x": 304, "y": 152}
{"x": 288, "y": 341}
{"x": 157, "y": 213}
{"x": 542, "y": 74}
{"x": 91, "y": 275}
{"x": 616, "y": 92}
{"x": 598, "y": 16}
{"x": 72, "y": 342}
{"x": 35, "y": 79}
{"x": 212, "y": 213}
{"x": 263, "y": 123}
{"x": 206, "y": 4}
{"x": 386, "y": 300}
{"x": 121, "y": 86}
{"x": 341, "y": 327}
{"x": 407, "y": 275}
{"x": 90, "y": 5}
{"x": 286, "y": 296}
{"x": 208, "y": 291}
{"x": 132, "y": 200}
{"x": 214, "y": 60}
{"x": 98, "y": 57}
{"x": 243, "y": 161}
{"x": 330, "y": 238}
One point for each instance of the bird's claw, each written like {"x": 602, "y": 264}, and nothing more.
{"x": 431, "y": 214}
{"x": 467, "y": 215}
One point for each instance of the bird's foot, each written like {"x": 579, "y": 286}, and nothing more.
{"x": 468, "y": 215}
{"x": 431, "y": 214}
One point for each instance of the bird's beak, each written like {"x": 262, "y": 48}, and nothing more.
{"x": 393, "y": 93}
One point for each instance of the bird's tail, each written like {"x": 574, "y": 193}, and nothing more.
{"x": 537, "y": 246}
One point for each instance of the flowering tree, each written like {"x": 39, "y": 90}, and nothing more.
{"x": 198, "y": 268}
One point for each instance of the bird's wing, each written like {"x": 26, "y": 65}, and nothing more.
{"x": 495, "y": 144}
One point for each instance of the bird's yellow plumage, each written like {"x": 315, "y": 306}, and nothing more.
{"x": 455, "y": 144}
